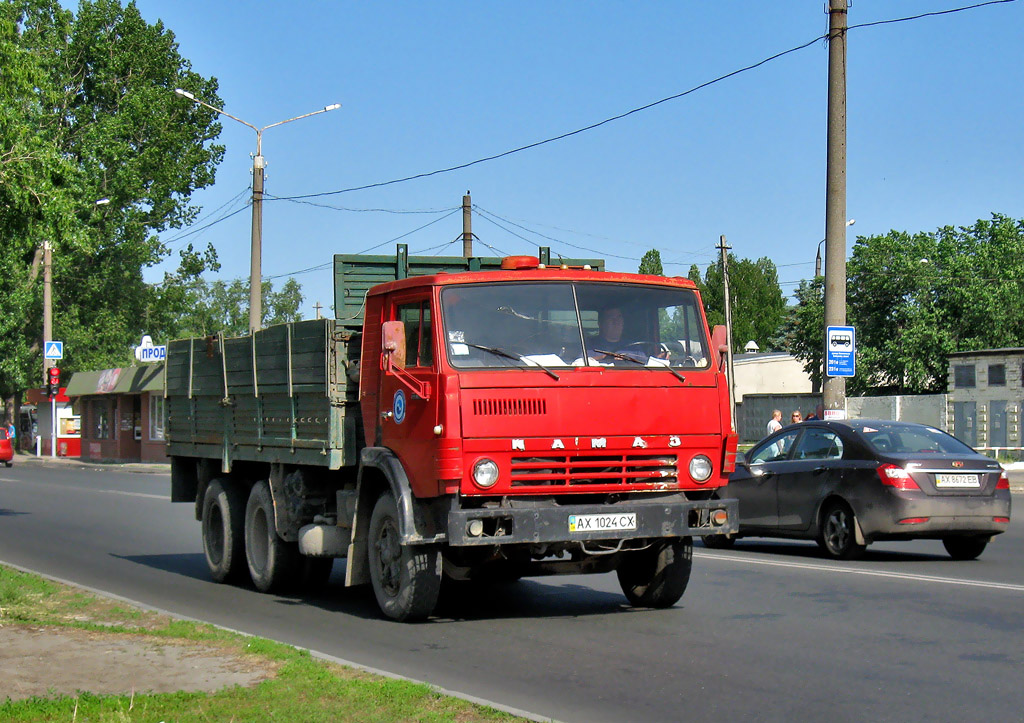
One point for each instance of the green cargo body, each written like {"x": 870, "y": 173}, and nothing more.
{"x": 286, "y": 394}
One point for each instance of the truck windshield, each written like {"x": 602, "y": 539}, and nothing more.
{"x": 564, "y": 324}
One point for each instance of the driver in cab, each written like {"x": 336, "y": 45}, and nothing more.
{"x": 610, "y": 325}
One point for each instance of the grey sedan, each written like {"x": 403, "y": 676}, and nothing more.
{"x": 849, "y": 483}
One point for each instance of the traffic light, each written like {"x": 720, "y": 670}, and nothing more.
{"x": 53, "y": 381}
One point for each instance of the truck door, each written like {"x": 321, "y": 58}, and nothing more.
{"x": 408, "y": 419}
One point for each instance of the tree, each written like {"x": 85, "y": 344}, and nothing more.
{"x": 89, "y": 113}
{"x": 758, "y": 306}
{"x": 804, "y": 330}
{"x": 224, "y": 306}
{"x": 916, "y": 298}
{"x": 651, "y": 263}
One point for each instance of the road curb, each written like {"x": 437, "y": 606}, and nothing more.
{"x": 145, "y": 467}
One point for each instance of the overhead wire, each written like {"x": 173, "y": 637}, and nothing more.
{"x": 642, "y": 108}
{"x": 328, "y": 264}
{"x": 226, "y": 204}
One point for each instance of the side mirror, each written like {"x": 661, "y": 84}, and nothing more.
{"x": 720, "y": 344}
{"x": 392, "y": 359}
{"x": 393, "y": 342}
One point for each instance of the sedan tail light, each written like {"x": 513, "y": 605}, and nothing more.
{"x": 1004, "y": 481}
{"x": 897, "y": 477}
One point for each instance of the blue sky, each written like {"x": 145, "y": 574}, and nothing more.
{"x": 934, "y": 126}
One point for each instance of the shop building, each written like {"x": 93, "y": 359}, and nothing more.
{"x": 122, "y": 413}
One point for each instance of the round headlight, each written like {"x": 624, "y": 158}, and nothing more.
{"x": 700, "y": 468}
{"x": 485, "y": 473}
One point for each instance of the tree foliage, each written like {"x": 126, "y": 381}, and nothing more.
{"x": 651, "y": 263}
{"x": 916, "y": 298}
{"x": 224, "y": 306}
{"x": 758, "y": 306}
{"x": 803, "y": 331}
{"x": 89, "y": 113}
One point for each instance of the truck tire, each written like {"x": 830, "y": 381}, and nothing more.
{"x": 657, "y": 577}
{"x": 406, "y": 579}
{"x": 223, "y": 529}
{"x": 273, "y": 563}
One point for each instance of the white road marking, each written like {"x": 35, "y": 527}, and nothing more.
{"x": 861, "y": 571}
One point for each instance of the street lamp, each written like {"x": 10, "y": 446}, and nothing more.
{"x": 817, "y": 259}
{"x": 258, "y": 164}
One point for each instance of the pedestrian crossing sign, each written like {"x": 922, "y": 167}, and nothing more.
{"x": 53, "y": 350}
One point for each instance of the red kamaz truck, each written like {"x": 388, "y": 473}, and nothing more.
{"x": 461, "y": 419}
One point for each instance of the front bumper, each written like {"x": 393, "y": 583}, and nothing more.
{"x": 549, "y": 523}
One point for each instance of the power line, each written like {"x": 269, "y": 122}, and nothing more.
{"x": 640, "y": 109}
{"x": 562, "y": 136}
{"x": 269, "y": 196}
{"x": 194, "y": 231}
{"x": 928, "y": 15}
{"x": 328, "y": 264}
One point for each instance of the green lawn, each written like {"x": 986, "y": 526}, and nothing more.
{"x": 299, "y": 687}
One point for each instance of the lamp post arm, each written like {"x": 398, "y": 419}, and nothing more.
{"x": 191, "y": 97}
{"x": 325, "y": 109}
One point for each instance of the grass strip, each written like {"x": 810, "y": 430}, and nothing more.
{"x": 298, "y": 687}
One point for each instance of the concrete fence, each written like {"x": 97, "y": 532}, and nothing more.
{"x": 753, "y": 413}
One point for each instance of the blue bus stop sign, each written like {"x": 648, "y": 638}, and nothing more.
{"x": 840, "y": 351}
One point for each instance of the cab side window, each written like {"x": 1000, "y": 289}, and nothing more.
{"x": 418, "y": 337}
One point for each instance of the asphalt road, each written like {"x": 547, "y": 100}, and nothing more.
{"x": 769, "y": 630}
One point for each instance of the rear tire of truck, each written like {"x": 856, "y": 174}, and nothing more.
{"x": 273, "y": 563}
{"x": 657, "y": 577}
{"x": 406, "y": 579}
{"x": 224, "y": 531}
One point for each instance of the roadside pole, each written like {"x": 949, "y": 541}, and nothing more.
{"x": 834, "y": 387}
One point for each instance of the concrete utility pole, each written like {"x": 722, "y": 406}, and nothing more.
{"x": 258, "y": 164}
{"x": 728, "y": 328}
{"x": 467, "y": 226}
{"x": 834, "y": 392}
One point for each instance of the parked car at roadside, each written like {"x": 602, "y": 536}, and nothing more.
{"x": 846, "y": 484}
{"x": 6, "y": 448}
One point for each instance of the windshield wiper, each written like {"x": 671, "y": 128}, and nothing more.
{"x": 516, "y": 357}
{"x": 627, "y": 357}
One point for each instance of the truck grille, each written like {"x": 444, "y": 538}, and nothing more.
{"x": 596, "y": 469}
{"x": 509, "y": 407}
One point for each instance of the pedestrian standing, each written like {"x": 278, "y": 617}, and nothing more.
{"x": 775, "y": 423}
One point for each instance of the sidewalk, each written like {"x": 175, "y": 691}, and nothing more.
{"x": 148, "y": 467}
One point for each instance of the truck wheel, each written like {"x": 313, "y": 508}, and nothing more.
{"x": 224, "y": 531}
{"x": 406, "y": 579}
{"x": 657, "y": 577}
{"x": 273, "y": 563}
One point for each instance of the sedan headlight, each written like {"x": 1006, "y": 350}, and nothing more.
{"x": 700, "y": 468}
{"x": 485, "y": 473}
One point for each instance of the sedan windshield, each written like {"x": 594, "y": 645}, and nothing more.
{"x": 563, "y": 324}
